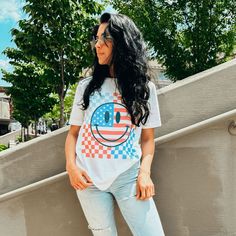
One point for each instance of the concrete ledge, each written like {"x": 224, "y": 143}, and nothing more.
{"x": 33, "y": 141}
{"x": 230, "y": 116}
{"x": 32, "y": 187}
{"x": 32, "y": 161}
{"x": 197, "y": 98}
{"x": 4, "y": 139}
{"x": 199, "y": 76}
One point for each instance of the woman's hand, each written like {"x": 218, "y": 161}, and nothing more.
{"x": 145, "y": 186}
{"x": 79, "y": 179}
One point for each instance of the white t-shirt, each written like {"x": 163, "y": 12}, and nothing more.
{"x": 108, "y": 142}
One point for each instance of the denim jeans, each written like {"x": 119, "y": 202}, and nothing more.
{"x": 98, "y": 206}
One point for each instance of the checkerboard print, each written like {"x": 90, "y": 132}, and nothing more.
{"x": 91, "y": 148}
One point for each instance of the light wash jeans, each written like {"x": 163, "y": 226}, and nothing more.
{"x": 141, "y": 215}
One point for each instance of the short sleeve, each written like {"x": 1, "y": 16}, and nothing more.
{"x": 154, "y": 118}
{"x": 77, "y": 114}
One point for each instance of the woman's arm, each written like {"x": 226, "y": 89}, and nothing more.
{"x": 145, "y": 186}
{"x": 148, "y": 149}
{"x": 79, "y": 179}
{"x": 70, "y": 146}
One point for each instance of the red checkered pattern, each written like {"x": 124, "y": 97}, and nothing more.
{"x": 91, "y": 147}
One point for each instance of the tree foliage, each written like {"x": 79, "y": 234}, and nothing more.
{"x": 186, "y": 36}
{"x": 30, "y": 91}
{"x": 54, "y": 114}
{"x": 56, "y": 35}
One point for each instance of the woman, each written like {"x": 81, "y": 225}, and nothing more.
{"x": 112, "y": 110}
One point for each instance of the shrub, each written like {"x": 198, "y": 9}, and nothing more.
{"x": 3, "y": 147}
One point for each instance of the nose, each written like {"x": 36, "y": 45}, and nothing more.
{"x": 98, "y": 44}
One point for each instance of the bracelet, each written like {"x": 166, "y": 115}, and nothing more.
{"x": 144, "y": 171}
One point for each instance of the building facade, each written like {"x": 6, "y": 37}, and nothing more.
{"x": 5, "y": 111}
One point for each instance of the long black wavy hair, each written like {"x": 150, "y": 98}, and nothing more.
{"x": 130, "y": 67}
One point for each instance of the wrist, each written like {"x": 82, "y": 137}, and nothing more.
{"x": 70, "y": 166}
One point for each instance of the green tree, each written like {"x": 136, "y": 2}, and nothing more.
{"x": 69, "y": 99}
{"x": 56, "y": 34}
{"x": 54, "y": 114}
{"x": 30, "y": 91}
{"x": 186, "y": 36}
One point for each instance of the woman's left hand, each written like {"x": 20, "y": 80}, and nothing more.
{"x": 145, "y": 186}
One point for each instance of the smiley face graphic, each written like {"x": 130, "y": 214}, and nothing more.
{"x": 111, "y": 124}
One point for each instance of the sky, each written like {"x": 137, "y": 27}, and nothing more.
{"x": 10, "y": 13}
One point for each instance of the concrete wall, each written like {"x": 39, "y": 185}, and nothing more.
{"x": 52, "y": 209}
{"x": 4, "y": 139}
{"x": 197, "y": 98}
{"x": 195, "y": 190}
{"x": 196, "y": 180}
{"x": 4, "y": 108}
{"x": 32, "y": 161}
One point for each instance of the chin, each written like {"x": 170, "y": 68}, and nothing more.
{"x": 102, "y": 63}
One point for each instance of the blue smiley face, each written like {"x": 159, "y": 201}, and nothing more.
{"x": 111, "y": 124}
